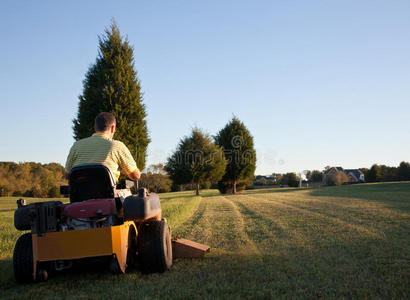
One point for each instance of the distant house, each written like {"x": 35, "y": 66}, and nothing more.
{"x": 354, "y": 175}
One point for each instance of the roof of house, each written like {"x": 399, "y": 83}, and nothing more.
{"x": 356, "y": 172}
{"x": 333, "y": 168}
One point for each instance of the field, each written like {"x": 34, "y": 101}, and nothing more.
{"x": 333, "y": 242}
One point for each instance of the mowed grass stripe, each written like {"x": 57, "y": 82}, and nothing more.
{"x": 177, "y": 210}
{"x": 304, "y": 229}
{"x": 370, "y": 217}
{"x": 353, "y": 210}
{"x": 262, "y": 230}
{"x": 309, "y": 248}
{"x": 219, "y": 224}
{"x": 242, "y": 226}
{"x": 366, "y": 217}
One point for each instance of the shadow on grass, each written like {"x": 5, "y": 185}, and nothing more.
{"x": 91, "y": 269}
{"x": 343, "y": 269}
{"x": 262, "y": 222}
{"x": 333, "y": 267}
{"x": 6, "y": 274}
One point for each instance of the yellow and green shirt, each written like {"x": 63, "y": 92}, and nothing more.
{"x": 100, "y": 149}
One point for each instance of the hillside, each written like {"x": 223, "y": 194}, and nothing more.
{"x": 348, "y": 241}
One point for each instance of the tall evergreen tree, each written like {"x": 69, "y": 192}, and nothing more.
{"x": 111, "y": 85}
{"x": 197, "y": 160}
{"x": 237, "y": 144}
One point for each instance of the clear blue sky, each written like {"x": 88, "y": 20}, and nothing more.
{"x": 317, "y": 82}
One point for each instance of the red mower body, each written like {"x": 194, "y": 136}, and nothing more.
{"x": 90, "y": 208}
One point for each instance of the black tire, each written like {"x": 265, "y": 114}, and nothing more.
{"x": 22, "y": 220}
{"x": 155, "y": 248}
{"x": 132, "y": 248}
{"x": 23, "y": 259}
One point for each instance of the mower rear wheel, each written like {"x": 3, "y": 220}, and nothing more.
{"x": 155, "y": 247}
{"x": 23, "y": 259}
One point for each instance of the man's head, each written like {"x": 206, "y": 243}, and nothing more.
{"x": 105, "y": 122}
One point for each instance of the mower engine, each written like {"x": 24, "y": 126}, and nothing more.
{"x": 89, "y": 214}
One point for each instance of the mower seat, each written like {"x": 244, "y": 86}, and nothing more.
{"x": 91, "y": 181}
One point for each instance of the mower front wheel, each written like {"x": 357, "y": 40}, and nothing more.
{"x": 23, "y": 259}
{"x": 155, "y": 247}
{"x": 114, "y": 266}
{"x": 132, "y": 248}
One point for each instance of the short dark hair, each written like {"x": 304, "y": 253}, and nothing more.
{"x": 103, "y": 121}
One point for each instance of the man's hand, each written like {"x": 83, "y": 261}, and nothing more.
{"x": 134, "y": 175}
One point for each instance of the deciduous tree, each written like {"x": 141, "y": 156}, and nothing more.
{"x": 374, "y": 174}
{"x": 293, "y": 180}
{"x": 315, "y": 176}
{"x": 404, "y": 171}
{"x": 156, "y": 179}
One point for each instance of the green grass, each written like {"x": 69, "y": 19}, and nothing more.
{"x": 329, "y": 242}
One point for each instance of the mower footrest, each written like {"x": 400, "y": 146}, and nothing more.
{"x": 182, "y": 248}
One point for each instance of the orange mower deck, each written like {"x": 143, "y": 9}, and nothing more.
{"x": 76, "y": 244}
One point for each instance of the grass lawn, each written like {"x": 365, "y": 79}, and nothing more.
{"x": 329, "y": 242}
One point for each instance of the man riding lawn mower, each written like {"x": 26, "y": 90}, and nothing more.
{"x": 103, "y": 218}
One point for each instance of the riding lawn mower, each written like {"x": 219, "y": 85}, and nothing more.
{"x": 103, "y": 220}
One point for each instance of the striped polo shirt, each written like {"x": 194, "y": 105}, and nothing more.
{"x": 100, "y": 149}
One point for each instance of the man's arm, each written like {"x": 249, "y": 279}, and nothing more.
{"x": 127, "y": 163}
{"x": 69, "y": 162}
{"x": 135, "y": 175}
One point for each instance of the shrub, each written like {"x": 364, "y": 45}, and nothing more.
{"x": 157, "y": 183}
{"x": 338, "y": 178}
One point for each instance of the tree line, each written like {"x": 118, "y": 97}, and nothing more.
{"x": 226, "y": 161}
{"x": 376, "y": 173}
{"x": 385, "y": 173}
{"x": 31, "y": 179}
{"x": 156, "y": 179}
{"x": 290, "y": 179}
